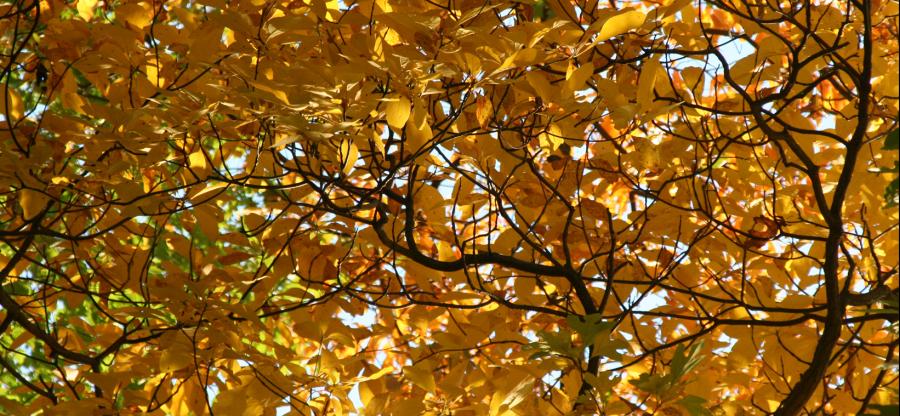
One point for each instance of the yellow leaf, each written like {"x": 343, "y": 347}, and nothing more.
{"x": 197, "y": 163}
{"x": 540, "y": 84}
{"x": 15, "y": 108}
{"x": 31, "y": 202}
{"x": 236, "y": 402}
{"x": 337, "y": 406}
{"x": 188, "y": 399}
{"x": 137, "y": 14}
{"x": 844, "y": 403}
{"x": 379, "y": 374}
{"x": 522, "y": 58}
{"x": 278, "y": 93}
{"x": 86, "y": 9}
{"x": 673, "y": 8}
{"x": 524, "y": 288}
{"x": 620, "y": 24}
{"x": 208, "y": 191}
{"x": 483, "y": 110}
{"x": 418, "y": 132}
{"x": 69, "y": 93}
{"x": 429, "y": 199}
{"x": 253, "y": 222}
{"x": 503, "y": 401}
{"x": 420, "y": 376}
{"x": 397, "y": 112}
{"x": 552, "y": 138}
{"x": 84, "y": 406}
{"x": 576, "y": 77}
{"x": 349, "y": 155}
{"x": 19, "y": 340}
{"x": 208, "y": 217}
{"x": 646, "y": 82}
{"x": 174, "y": 358}
{"x": 525, "y": 57}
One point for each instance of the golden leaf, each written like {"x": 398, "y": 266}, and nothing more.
{"x": 32, "y": 202}
{"x": 619, "y": 24}
{"x": 420, "y": 376}
{"x": 483, "y": 110}
{"x": 86, "y": 9}
{"x": 397, "y": 112}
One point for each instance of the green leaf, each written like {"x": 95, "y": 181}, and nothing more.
{"x": 695, "y": 406}
{"x": 883, "y": 410}
{"x": 893, "y": 141}
{"x": 652, "y": 383}
{"x": 542, "y": 11}
{"x": 892, "y": 193}
{"x": 559, "y": 343}
{"x": 683, "y": 362}
{"x": 588, "y": 327}
{"x": 602, "y": 384}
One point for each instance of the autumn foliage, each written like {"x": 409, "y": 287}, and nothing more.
{"x": 466, "y": 207}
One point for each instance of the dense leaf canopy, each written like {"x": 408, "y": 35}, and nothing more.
{"x": 466, "y": 207}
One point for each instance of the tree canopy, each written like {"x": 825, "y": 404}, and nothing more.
{"x": 466, "y": 207}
